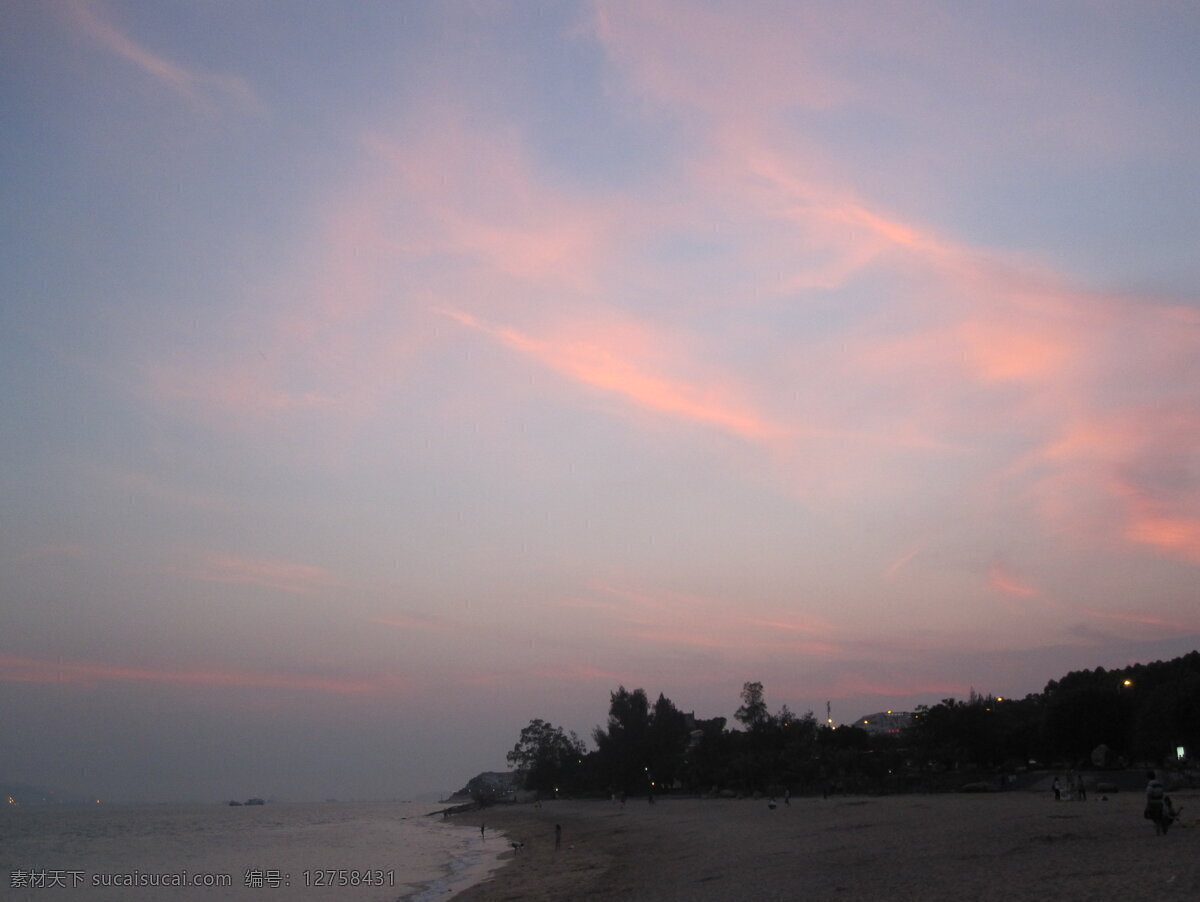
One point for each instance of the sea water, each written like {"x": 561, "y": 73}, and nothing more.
{"x": 350, "y": 852}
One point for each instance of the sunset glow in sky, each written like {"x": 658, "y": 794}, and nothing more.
{"x": 379, "y": 376}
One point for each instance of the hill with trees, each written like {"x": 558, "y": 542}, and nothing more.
{"x": 1087, "y": 720}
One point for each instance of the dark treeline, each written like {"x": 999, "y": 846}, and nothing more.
{"x": 1089, "y": 719}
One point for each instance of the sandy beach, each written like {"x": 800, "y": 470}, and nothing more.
{"x": 1001, "y": 846}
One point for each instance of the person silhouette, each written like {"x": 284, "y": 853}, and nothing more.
{"x": 1155, "y": 807}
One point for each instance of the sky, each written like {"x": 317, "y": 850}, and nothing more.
{"x": 378, "y": 377}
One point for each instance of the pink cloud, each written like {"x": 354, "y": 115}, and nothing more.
{"x": 284, "y": 576}
{"x": 1119, "y": 474}
{"x": 412, "y": 621}
{"x": 56, "y": 551}
{"x": 1160, "y": 523}
{"x": 1151, "y": 624}
{"x": 162, "y": 491}
{"x": 666, "y": 619}
{"x": 902, "y": 562}
{"x": 1007, "y": 352}
{"x": 251, "y": 389}
{"x": 854, "y": 685}
{"x": 945, "y": 353}
{"x": 196, "y": 85}
{"x": 805, "y": 625}
{"x": 481, "y": 199}
{"x": 20, "y": 669}
{"x": 337, "y": 329}
{"x": 1176, "y": 535}
{"x": 607, "y": 359}
{"x": 577, "y": 673}
{"x": 729, "y": 641}
{"x": 770, "y": 62}
{"x": 992, "y": 319}
{"x": 1003, "y": 580}
{"x": 713, "y": 72}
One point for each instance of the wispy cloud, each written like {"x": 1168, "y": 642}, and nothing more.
{"x": 714, "y": 74}
{"x": 578, "y": 673}
{"x": 284, "y": 576}
{"x": 904, "y": 687}
{"x": 164, "y": 491}
{"x": 1153, "y": 624}
{"x": 23, "y": 669}
{"x": 196, "y": 85}
{"x": 1166, "y": 520}
{"x": 55, "y": 551}
{"x": 871, "y": 358}
{"x": 665, "y": 619}
{"x": 604, "y": 361}
{"x": 415, "y": 621}
{"x": 902, "y": 562}
{"x": 1002, "y": 579}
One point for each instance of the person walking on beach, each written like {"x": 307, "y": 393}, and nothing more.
{"x": 1155, "y": 807}
{"x": 1057, "y": 787}
{"x": 1170, "y": 812}
{"x": 557, "y": 836}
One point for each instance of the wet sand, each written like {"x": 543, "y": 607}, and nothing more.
{"x": 996, "y": 846}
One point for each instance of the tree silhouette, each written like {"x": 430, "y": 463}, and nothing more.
{"x": 549, "y": 759}
{"x": 753, "y": 712}
{"x": 623, "y": 748}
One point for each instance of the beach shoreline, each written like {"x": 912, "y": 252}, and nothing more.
{"x": 1002, "y": 846}
{"x": 475, "y": 858}
{"x": 466, "y": 868}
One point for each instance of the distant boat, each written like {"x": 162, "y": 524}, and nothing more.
{"x": 255, "y": 802}
{"x": 235, "y": 804}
